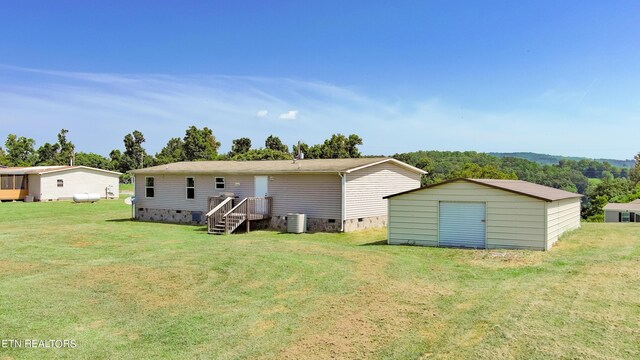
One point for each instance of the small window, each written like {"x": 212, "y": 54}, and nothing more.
{"x": 21, "y": 182}
{"x": 625, "y": 217}
{"x": 220, "y": 183}
{"x": 149, "y": 187}
{"x": 6, "y": 182}
{"x": 191, "y": 188}
{"x": 60, "y": 183}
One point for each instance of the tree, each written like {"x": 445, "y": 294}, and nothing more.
{"x": 66, "y": 149}
{"x": 47, "y": 154}
{"x": 20, "y": 151}
{"x": 240, "y": 146}
{"x": 134, "y": 156}
{"x": 262, "y": 154}
{"x": 339, "y": 147}
{"x": 93, "y": 160}
{"x": 634, "y": 174}
{"x": 200, "y": 144}
{"x": 3, "y": 159}
{"x": 274, "y": 143}
{"x": 172, "y": 152}
{"x": 476, "y": 171}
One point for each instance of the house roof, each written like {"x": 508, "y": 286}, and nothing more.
{"x": 38, "y": 170}
{"x": 632, "y": 206}
{"x": 272, "y": 166}
{"x": 536, "y": 191}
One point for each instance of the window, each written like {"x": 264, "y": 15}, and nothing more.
{"x": 149, "y": 187}
{"x": 6, "y": 182}
{"x": 625, "y": 217}
{"x": 60, "y": 183}
{"x": 220, "y": 183}
{"x": 191, "y": 188}
{"x": 21, "y": 182}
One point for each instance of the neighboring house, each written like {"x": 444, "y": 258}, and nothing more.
{"x": 335, "y": 194}
{"x": 629, "y": 212}
{"x": 44, "y": 183}
{"x": 482, "y": 213}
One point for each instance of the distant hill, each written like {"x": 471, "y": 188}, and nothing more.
{"x": 546, "y": 159}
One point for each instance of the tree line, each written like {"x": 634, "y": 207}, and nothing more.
{"x": 196, "y": 145}
{"x": 599, "y": 181}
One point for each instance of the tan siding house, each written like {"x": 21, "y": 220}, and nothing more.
{"x": 45, "y": 183}
{"x": 335, "y": 194}
{"x": 483, "y": 214}
{"x": 622, "y": 212}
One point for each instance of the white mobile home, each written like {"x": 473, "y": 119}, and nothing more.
{"x": 482, "y": 213}
{"x": 334, "y": 194}
{"x": 44, "y": 183}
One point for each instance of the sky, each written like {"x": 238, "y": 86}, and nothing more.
{"x": 557, "y": 77}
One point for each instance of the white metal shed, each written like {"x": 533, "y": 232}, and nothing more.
{"x": 483, "y": 213}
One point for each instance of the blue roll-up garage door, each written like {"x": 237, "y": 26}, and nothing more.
{"x": 462, "y": 224}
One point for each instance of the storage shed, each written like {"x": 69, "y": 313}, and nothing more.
{"x": 483, "y": 213}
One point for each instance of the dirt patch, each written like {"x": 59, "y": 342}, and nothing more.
{"x": 506, "y": 258}
{"x": 147, "y": 288}
{"x": 10, "y": 267}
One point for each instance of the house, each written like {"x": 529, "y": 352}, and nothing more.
{"x": 335, "y": 194}
{"x": 44, "y": 183}
{"x": 629, "y": 212}
{"x": 481, "y": 213}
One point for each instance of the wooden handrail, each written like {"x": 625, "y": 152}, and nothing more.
{"x": 219, "y": 206}
{"x": 235, "y": 207}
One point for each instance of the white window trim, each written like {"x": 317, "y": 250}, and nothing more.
{"x": 186, "y": 188}
{"x": 215, "y": 183}
{"x": 146, "y": 187}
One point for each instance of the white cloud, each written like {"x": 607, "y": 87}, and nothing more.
{"x": 99, "y": 109}
{"x": 290, "y": 115}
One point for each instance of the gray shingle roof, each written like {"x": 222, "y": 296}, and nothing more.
{"x": 270, "y": 166}
{"x": 515, "y": 186}
{"x": 632, "y": 206}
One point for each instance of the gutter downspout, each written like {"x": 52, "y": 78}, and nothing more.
{"x": 343, "y": 206}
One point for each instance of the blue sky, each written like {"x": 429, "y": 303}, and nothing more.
{"x": 558, "y": 77}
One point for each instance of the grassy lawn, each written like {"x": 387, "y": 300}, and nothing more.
{"x": 124, "y": 289}
{"x": 126, "y": 187}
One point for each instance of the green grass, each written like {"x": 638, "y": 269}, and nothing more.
{"x": 126, "y": 187}
{"x": 124, "y": 289}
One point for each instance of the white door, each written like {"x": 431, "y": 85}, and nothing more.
{"x": 261, "y": 186}
{"x": 462, "y": 224}
{"x": 261, "y": 189}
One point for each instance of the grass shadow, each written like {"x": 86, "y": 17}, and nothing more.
{"x": 375, "y": 243}
{"x": 121, "y": 220}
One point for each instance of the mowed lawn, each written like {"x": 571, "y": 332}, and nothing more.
{"x": 125, "y": 289}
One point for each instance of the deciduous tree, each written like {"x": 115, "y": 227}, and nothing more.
{"x": 20, "y": 151}
{"x": 200, "y": 144}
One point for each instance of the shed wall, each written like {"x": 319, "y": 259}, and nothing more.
{"x": 513, "y": 220}
{"x": 562, "y": 216}
{"x": 366, "y": 188}
{"x": 77, "y": 181}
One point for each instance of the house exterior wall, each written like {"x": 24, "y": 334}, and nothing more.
{"x": 365, "y": 189}
{"x": 76, "y": 181}
{"x": 611, "y": 216}
{"x": 562, "y": 216}
{"x": 34, "y": 186}
{"x": 513, "y": 220}
{"x": 317, "y": 195}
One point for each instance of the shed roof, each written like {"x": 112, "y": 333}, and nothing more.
{"x": 272, "y": 166}
{"x": 47, "y": 169}
{"x": 526, "y": 188}
{"x": 632, "y": 206}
